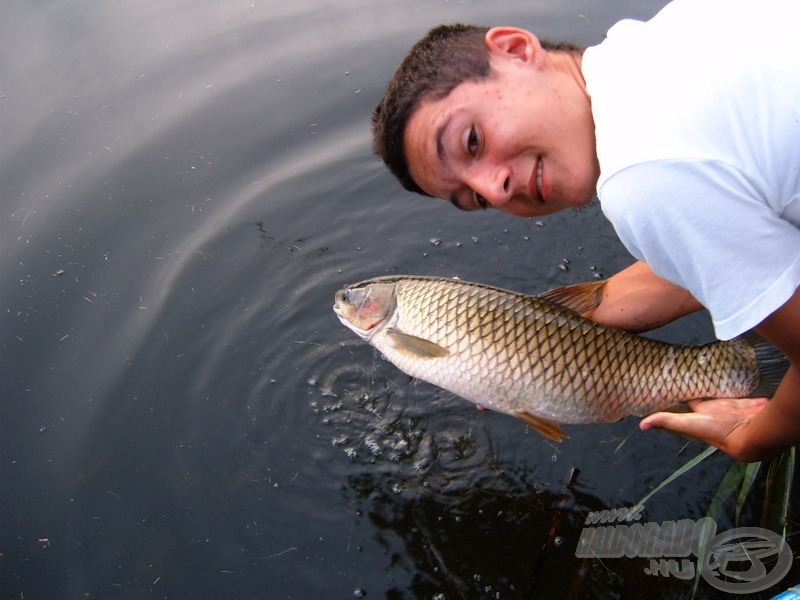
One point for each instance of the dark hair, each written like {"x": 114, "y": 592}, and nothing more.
{"x": 446, "y": 57}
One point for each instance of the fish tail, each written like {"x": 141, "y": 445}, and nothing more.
{"x": 772, "y": 365}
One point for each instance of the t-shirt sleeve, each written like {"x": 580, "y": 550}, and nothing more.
{"x": 706, "y": 227}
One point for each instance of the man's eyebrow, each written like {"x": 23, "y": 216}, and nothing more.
{"x": 442, "y": 154}
{"x": 440, "y": 140}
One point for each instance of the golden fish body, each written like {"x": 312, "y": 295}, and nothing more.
{"x": 532, "y": 357}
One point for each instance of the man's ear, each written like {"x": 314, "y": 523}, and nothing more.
{"x": 513, "y": 42}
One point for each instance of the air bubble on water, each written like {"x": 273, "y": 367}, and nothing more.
{"x": 558, "y": 541}
{"x": 373, "y": 446}
{"x": 436, "y": 242}
{"x": 359, "y": 593}
{"x": 351, "y": 453}
{"x": 339, "y": 441}
{"x": 539, "y": 223}
{"x": 563, "y": 267}
{"x": 329, "y": 408}
{"x": 598, "y": 275}
{"x": 554, "y": 458}
{"x": 458, "y": 244}
{"x": 526, "y": 238}
{"x": 475, "y": 239}
{"x": 476, "y": 578}
{"x": 565, "y": 261}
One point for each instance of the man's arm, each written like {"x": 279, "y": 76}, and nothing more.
{"x": 750, "y": 429}
{"x": 636, "y": 299}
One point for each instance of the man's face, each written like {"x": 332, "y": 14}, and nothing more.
{"x": 522, "y": 141}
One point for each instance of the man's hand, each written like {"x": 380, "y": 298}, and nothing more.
{"x": 750, "y": 429}
{"x": 722, "y": 423}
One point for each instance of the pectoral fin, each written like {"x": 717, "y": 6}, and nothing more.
{"x": 417, "y": 346}
{"x": 580, "y": 297}
{"x": 547, "y": 428}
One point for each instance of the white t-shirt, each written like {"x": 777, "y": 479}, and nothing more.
{"x": 697, "y": 119}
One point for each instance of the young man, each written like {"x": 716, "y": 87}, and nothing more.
{"x": 687, "y": 128}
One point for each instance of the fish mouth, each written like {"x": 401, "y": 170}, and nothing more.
{"x": 344, "y": 320}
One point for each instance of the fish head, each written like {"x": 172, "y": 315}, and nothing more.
{"x": 364, "y": 307}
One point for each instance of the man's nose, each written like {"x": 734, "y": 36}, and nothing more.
{"x": 493, "y": 183}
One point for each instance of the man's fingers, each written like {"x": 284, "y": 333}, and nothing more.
{"x": 690, "y": 424}
{"x": 729, "y": 405}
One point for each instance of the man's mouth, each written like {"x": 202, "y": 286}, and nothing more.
{"x": 537, "y": 182}
{"x": 539, "y": 168}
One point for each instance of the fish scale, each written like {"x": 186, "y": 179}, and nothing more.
{"x": 533, "y": 357}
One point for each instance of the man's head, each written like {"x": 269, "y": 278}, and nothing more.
{"x": 467, "y": 98}
{"x": 447, "y": 56}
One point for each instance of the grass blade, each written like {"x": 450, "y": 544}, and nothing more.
{"x": 747, "y": 483}
{"x": 689, "y": 465}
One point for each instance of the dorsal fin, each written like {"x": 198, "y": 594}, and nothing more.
{"x": 580, "y": 297}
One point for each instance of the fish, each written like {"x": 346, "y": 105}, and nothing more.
{"x": 537, "y": 358}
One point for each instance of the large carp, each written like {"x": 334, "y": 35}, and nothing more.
{"x": 536, "y": 358}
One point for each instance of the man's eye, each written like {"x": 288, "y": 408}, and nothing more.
{"x": 472, "y": 142}
{"x": 480, "y": 201}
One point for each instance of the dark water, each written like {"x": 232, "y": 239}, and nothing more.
{"x": 184, "y": 187}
